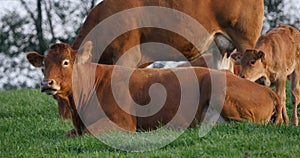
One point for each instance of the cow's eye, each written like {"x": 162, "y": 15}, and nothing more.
{"x": 65, "y": 63}
{"x": 252, "y": 62}
{"x": 43, "y": 69}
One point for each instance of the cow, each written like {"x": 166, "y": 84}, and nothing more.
{"x": 275, "y": 57}
{"x": 231, "y": 24}
{"x": 84, "y": 84}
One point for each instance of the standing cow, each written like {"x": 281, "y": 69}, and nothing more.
{"x": 276, "y": 56}
{"x": 232, "y": 24}
{"x": 86, "y": 86}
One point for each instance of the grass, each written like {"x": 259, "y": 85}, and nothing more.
{"x": 30, "y": 127}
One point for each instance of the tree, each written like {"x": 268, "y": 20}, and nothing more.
{"x": 37, "y": 22}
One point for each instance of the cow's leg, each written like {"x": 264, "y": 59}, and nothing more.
{"x": 245, "y": 33}
{"x": 242, "y": 44}
{"x": 278, "y": 117}
{"x": 279, "y": 109}
{"x": 78, "y": 125}
{"x": 105, "y": 125}
{"x": 295, "y": 96}
{"x": 126, "y": 50}
{"x": 280, "y": 88}
{"x": 63, "y": 109}
{"x": 77, "y": 122}
{"x": 68, "y": 102}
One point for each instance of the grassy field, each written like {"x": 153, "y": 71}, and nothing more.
{"x": 30, "y": 127}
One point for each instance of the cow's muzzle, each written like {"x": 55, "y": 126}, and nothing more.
{"x": 49, "y": 87}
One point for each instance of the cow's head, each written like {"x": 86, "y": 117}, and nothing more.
{"x": 253, "y": 65}
{"x": 57, "y": 67}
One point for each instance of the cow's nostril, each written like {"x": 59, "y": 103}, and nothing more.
{"x": 50, "y": 82}
{"x": 47, "y": 83}
{"x": 242, "y": 76}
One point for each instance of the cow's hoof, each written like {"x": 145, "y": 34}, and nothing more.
{"x": 295, "y": 121}
{"x": 279, "y": 121}
{"x": 72, "y": 133}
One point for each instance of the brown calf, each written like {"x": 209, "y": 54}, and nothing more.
{"x": 88, "y": 93}
{"x": 276, "y": 56}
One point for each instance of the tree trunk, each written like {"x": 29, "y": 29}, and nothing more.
{"x": 38, "y": 21}
{"x": 39, "y": 28}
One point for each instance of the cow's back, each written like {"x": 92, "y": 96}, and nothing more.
{"x": 141, "y": 81}
{"x": 282, "y": 48}
{"x": 244, "y": 100}
{"x": 252, "y": 101}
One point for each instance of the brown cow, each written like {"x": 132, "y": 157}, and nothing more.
{"x": 237, "y": 23}
{"x": 92, "y": 83}
{"x": 276, "y": 56}
{"x": 232, "y": 24}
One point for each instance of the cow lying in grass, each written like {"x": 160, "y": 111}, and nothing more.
{"x": 92, "y": 89}
{"x": 276, "y": 56}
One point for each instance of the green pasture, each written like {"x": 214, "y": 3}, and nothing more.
{"x": 30, "y": 127}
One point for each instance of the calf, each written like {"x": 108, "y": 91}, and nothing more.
{"x": 276, "y": 56}
{"x": 88, "y": 91}
{"x": 244, "y": 100}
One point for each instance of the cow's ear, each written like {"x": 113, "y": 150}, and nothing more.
{"x": 35, "y": 59}
{"x": 85, "y": 55}
{"x": 260, "y": 55}
{"x": 237, "y": 56}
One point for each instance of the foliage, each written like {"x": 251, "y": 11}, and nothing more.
{"x": 30, "y": 127}
{"x": 274, "y": 12}
{"x": 12, "y": 37}
{"x": 284, "y": 11}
